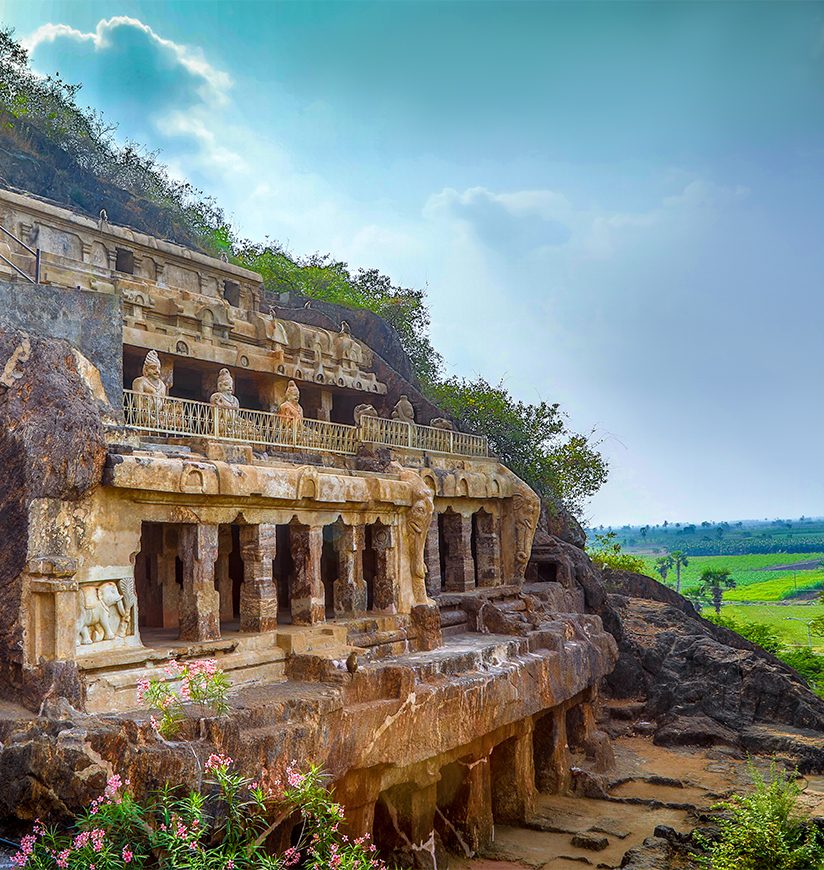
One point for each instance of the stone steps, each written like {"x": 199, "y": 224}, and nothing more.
{"x": 247, "y": 663}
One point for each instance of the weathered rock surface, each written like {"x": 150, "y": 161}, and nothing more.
{"x": 705, "y": 684}
{"x": 51, "y": 447}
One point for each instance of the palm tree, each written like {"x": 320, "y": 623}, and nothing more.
{"x": 712, "y": 585}
{"x": 663, "y": 565}
{"x": 679, "y": 561}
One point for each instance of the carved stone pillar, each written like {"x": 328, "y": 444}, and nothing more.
{"x": 308, "y": 602}
{"x": 165, "y": 559}
{"x": 258, "y": 595}
{"x": 552, "y": 758}
{"x": 51, "y": 633}
{"x": 513, "y": 777}
{"x": 383, "y": 544}
{"x": 224, "y": 580}
{"x": 432, "y": 557}
{"x": 200, "y": 601}
{"x": 350, "y": 587}
{"x": 487, "y": 549}
{"x": 459, "y": 564}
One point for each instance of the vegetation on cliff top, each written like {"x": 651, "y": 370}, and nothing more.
{"x": 534, "y": 440}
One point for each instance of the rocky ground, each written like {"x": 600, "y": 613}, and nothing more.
{"x": 652, "y": 790}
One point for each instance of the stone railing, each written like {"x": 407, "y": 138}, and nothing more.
{"x": 397, "y": 433}
{"x": 171, "y": 416}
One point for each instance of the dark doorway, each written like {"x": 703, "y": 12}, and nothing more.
{"x": 329, "y": 568}
{"x": 370, "y": 567}
{"x": 284, "y": 569}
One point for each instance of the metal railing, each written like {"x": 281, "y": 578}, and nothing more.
{"x": 171, "y": 416}
{"x": 33, "y": 251}
{"x": 398, "y": 433}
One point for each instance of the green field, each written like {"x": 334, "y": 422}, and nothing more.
{"x": 754, "y": 582}
{"x": 705, "y": 538}
{"x": 776, "y": 616}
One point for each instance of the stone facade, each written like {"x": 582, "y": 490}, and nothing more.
{"x": 244, "y": 499}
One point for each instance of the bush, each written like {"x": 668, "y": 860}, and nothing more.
{"x": 763, "y": 635}
{"x": 763, "y": 830}
{"x": 200, "y": 682}
{"x": 608, "y": 554}
{"x": 222, "y": 827}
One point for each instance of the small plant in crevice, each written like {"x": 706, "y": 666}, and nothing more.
{"x": 222, "y": 826}
{"x": 198, "y": 682}
{"x": 763, "y": 829}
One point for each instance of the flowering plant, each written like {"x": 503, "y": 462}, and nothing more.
{"x": 199, "y": 682}
{"x": 223, "y": 827}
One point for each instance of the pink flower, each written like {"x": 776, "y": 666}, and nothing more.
{"x": 216, "y": 761}
{"x": 127, "y": 855}
{"x": 143, "y": 687}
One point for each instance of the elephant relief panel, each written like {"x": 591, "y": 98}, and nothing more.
{"x": 106, "y": 611}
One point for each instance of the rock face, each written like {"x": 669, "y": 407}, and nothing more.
{"x": 51, "y": 448}
{"x": 702, "y": 683}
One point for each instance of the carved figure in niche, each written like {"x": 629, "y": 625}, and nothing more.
{"x": 441, "y": 423}
{"x": 364, "y": 411}
{"x": 347, "y": 350}
{"x": 150, "y": 383}
{"x": 290, "y": 408}
{"x": 103, "y": 613}
{"x": 225, "y": 396}
{"x": 418, "y": 520}
{"x": 404, "y": 411}
{"x": 526, "y": 507}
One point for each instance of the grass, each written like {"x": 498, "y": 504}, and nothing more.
{"x": 779, "y": 589}
{"x": 776, "y": 616}
{"x": 750, "y": 571}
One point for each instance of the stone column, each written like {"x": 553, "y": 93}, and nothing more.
{"x": 324, "y": 410}
{"x": 513, "y": 777}
{"x": 200, "y": 601}
{"x": 258, "y": 594}
{"x": 460, "y": 566}
{"x": 432, "y": 557}
{"x": 552, "y": 758}
{"x": 165, "y": 571}
{"x": 350, "y": 587}
{"x": 487, "y": 549}
{"x": 224, "y": 581}
{"x": 308, "y": 601}
{"x": 383, "y": 543}
{"x": 412, "y": 808}
{"x": 470, "y": 812}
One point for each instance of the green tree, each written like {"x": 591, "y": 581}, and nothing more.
{"x": 678, "y": 560}
{"x": 663, "y": 565}
{"x": 532, "y": 440}
{"x": 712, "y": 584}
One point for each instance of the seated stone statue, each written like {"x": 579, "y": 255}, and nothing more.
{"x": 150, "y": 383}
{"x": 404, "y": 411}
{"x": 225, "y": 395}
{"x": 364, "y": 411}
{"x": 441, "y": 423}
{"x": 290, "y": 408}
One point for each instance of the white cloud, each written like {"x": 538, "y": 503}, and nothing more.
{"x": 215, "y": 83}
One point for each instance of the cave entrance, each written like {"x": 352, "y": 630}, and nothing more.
{"x": 283, "y": 567}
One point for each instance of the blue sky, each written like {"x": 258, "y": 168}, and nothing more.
{"x": 615, "y": 206}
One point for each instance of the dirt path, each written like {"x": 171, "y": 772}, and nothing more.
{"x": 651, "y": 786}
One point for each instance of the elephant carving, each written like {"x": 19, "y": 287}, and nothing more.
{"x": 103, "y": 614}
